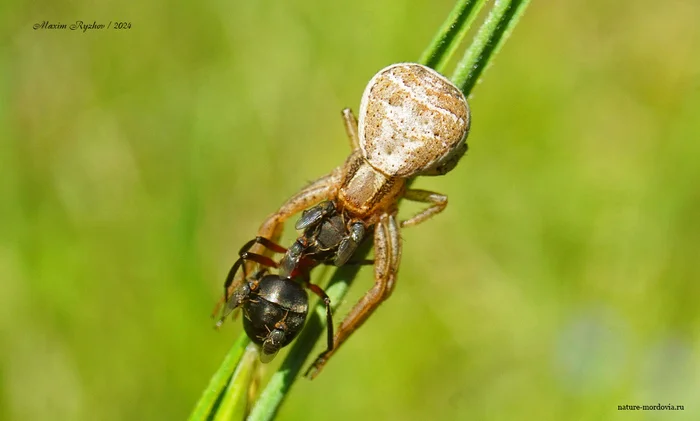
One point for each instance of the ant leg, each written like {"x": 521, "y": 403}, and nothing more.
{"x": 268, "y": 245}
{"x": 258, "y": 258}
{"x": 244, "y": 256}
{"x": 438, "y": 203}
{"x": 329, "y": 318}
{"x": 351, "y": 128}
{"x": 387, "y": 254}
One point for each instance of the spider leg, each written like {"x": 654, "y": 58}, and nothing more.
{"x": 387, "y": 254}
{"x": 438, "y": 203}
{"x": 351, "y": 128}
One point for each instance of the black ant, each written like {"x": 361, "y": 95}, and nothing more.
{"x": 275, "y": 306}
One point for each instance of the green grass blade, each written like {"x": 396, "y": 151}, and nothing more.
{"x": 207, "y": 406}
{"x": 234, "y": 402}
{"x": 451, "y": 34}
{"x": 493, "y": 33}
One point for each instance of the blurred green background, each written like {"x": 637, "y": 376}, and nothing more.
{"x": 561, "y": 281}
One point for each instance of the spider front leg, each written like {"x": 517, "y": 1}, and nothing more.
{"x": 387, "y": 255}
{"x": 437, "y": 201}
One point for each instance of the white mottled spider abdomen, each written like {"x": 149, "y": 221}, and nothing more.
{"x": 413, "y": 121}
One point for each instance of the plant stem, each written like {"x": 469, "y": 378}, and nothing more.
{"x": 493, "y": 33}
{"x": 234, "y": 400}
{"x": 207, "y": 404}
{"x": 451, "y": 34}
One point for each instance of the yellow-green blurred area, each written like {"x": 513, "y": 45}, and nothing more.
{"x": 561, "y": 281}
